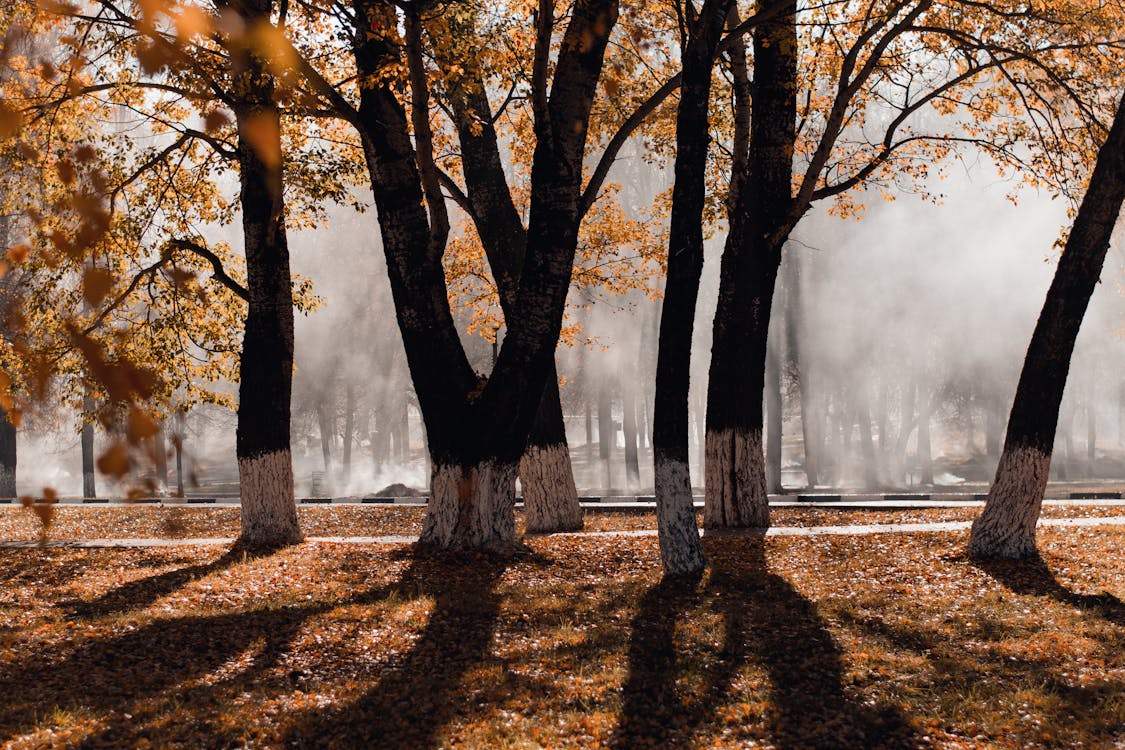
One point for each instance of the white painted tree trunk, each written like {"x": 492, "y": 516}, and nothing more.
{"x": 550, "y": 499}
{"x": 681, "y": 550}
{"x": 269, "y": 510}
{"x": 735, "y": 474}
{"x": 1006, "y": 528}
{"x": 471, "y": 507}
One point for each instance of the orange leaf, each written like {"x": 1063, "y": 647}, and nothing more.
{"x": 115, "y": 461}
{"x": 96, "y": 284}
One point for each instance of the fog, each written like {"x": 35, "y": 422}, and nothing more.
{"x": 916, "y": 304}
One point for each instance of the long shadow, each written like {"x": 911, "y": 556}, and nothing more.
{"x": 116, "y": 675}
{"x": 1032, "y": 576}
{"x": 139, "y": 594}
{"x": 651, "y": 709}
{"x": 785, "y": 634}
{"x": 765, "y": 621}
{"x": 413, "y": 702}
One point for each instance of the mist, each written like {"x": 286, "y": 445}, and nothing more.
{"x": 916, "y": 306}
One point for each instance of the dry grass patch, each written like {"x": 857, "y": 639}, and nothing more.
{"x": 188, "y": 522}
{"x": 877, "y": 641}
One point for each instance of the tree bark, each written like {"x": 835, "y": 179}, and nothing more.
{"x": 760, "y": 206}
{"x": 550, "y": 496}
{"x": 89, "y": 481}
{"x": 7, "y": 456}
{"x": 681, "y": 550}
{"x": 1006, "y": 527}
{"x": 265, "y": 463}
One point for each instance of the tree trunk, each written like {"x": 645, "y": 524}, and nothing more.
{"x": 681, "y": 550}
{"x": 1091, "y": 429}
{"x": 180, "y": 422}
{"x": 1006, "y": 528}
{"x": 867, "y": 445}
{"x": 160, "y": 454}
{"x": 550, "y": 497}
{"x": 925, "y": 453}
{"x": 471, "y": 506}
{"x": 265, "y": 461}
{"x": 7, "y": 456}
{"x": 629, "y": 429}
{"x": 761, "y": 197}
{"x": 325, "y": 420}
{"x": 774, "y": 420}
{"x": 89, "y": 483}
{"x": 606, "y": 434}
{"x": 349, "y": 429}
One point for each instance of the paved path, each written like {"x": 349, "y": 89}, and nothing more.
{"x": 854, "y": 530}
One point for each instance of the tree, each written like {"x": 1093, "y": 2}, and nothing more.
{"x": 680, "y": 548}
{"x": 476, "y": 429}
{"x": 879, "y": 68}
{"x": 184, "y": 57}
{"x": 1006, "y": 527}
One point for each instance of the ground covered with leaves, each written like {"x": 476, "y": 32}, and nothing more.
{"x": 195, "y": 521}
{"x": 890, "y": 640}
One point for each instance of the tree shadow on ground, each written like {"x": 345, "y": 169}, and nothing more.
{"x": 1032, "y": 576}
{"x": 766, "y": 622}
{"x": 128, "y": 678}
{"x": 414, "y": 699}
{"x": 138, "y": 594}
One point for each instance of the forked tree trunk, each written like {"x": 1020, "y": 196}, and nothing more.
{"x": 1006, "y": 528}
{"x": 476, "y": 430}
{"x": 735, "y": 464}
{"x": 681, "y": 550}
{"x": 546, "y": 471}
{"x": 89, "y": 482}
{"x": 7, "y": 456}
{"x": 550, "y": 497}
{"x": 265, "y": 461}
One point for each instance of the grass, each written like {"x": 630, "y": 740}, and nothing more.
{"x": 874, "y": 641}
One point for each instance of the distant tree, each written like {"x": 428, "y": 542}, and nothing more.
{"x": 1006, "y": 527}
